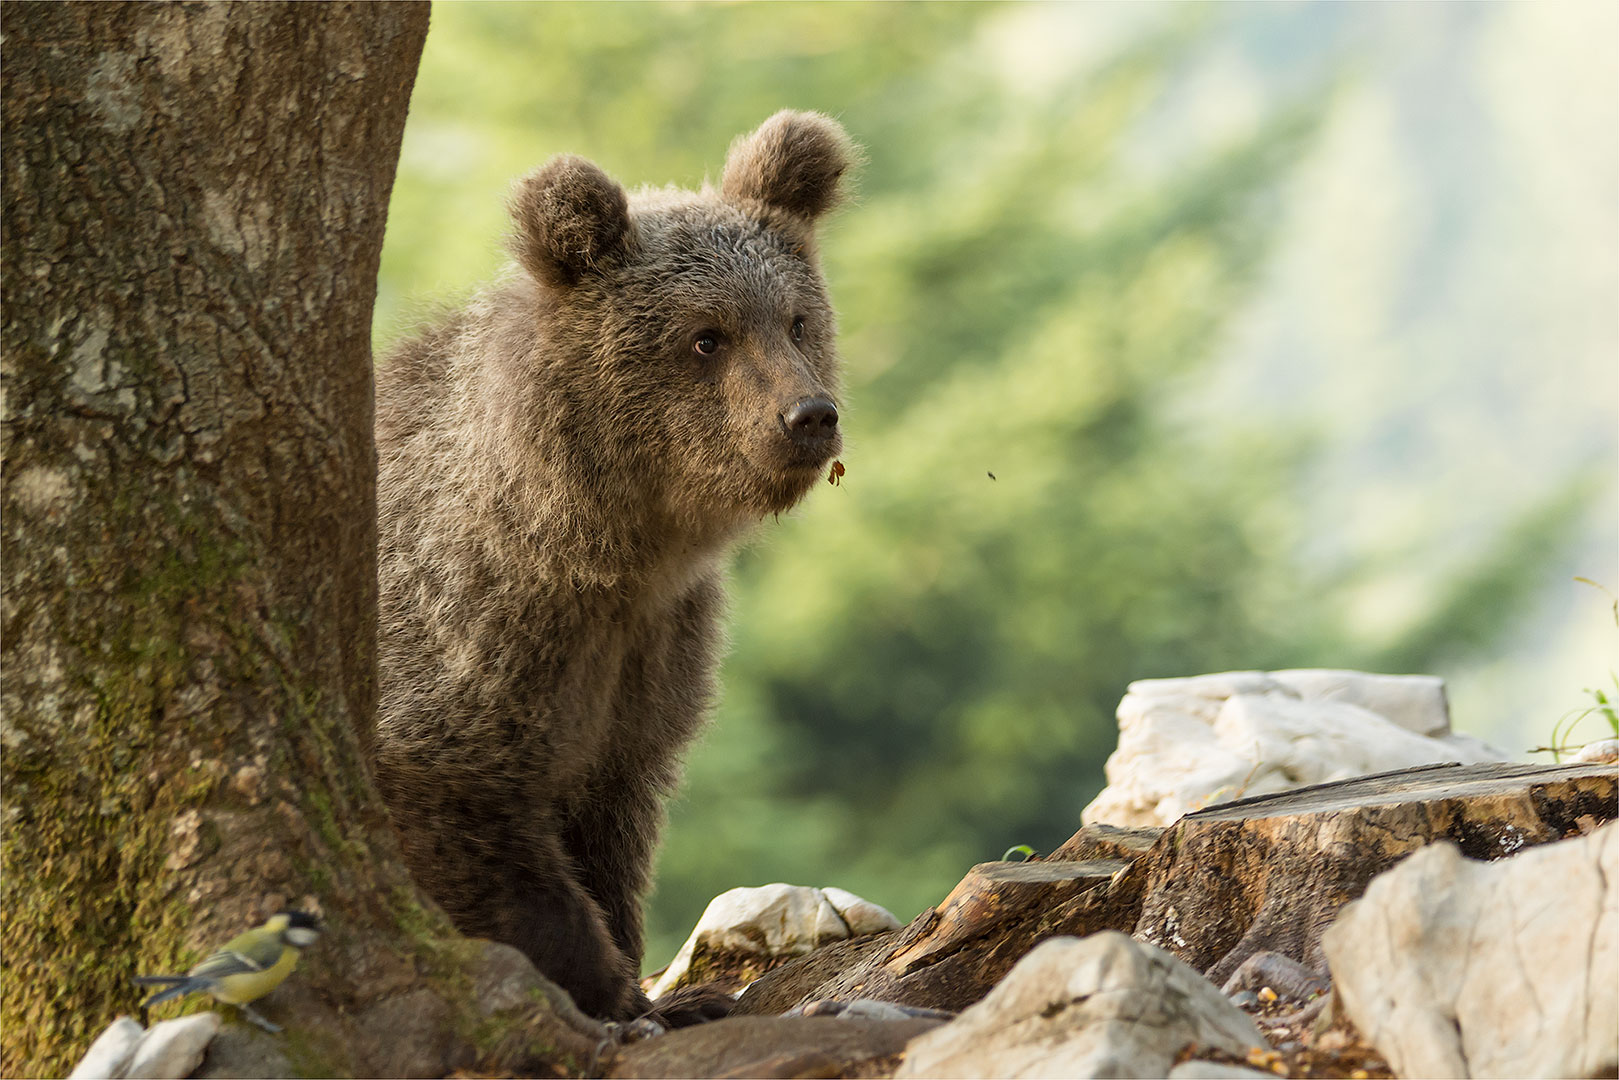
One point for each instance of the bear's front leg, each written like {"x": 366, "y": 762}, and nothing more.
{"x": 530, "y": 896}
{"x": 613, "y": 839}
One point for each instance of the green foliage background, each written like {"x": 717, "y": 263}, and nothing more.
{"x": 925, "y": 661}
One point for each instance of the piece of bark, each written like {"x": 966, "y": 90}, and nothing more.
{"x": 1268, "y": 873}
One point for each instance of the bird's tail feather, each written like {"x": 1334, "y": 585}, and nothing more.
{"x": 178, "y": 986}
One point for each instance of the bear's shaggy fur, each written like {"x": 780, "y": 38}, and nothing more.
{"x": 563, "y": 466}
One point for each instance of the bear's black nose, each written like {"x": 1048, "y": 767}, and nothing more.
{"x": 811, "y": 420}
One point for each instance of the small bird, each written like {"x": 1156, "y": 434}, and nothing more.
{"x": 249, "y": 966}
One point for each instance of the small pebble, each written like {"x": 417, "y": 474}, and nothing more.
{"x": 1245, "y": 999}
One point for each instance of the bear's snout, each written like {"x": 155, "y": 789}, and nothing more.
{"x": 811, "y": 422}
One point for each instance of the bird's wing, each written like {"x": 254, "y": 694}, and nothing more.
{"x": 228, "y": 961}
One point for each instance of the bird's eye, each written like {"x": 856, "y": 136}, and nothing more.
{"x": 706, "y": 343}
{"x": 798, "y": 329}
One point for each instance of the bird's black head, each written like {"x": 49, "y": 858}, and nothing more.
{"x": 298, "y": 927}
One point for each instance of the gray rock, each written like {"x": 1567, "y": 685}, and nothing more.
{"x": 1213, "y": 1070}
{"x": 1245, "y": 999}
{"x": 767, "y": 1046}
{"x": 1103, "y": 1005}
{"x": 173, "y": 1048}
{"x": 1452, "y": 967}
{"x": 868, "y": 1009}
{"x": 110, "y": 1054}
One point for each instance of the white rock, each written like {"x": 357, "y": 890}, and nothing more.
{"x": 1310, "y": 742}
{"x": 1103, "y": 1005}
{"x": 1415, "y": 702}
{"x": 1601, "y": 752}
{"x": 1215, "y": 687}
{"x": 775, "y": 920}
{"x": 1452, "y": 967}
{"x": 109, "y": 1055}
{"x": 861, "y": 915}
{"x": 174, "y": 1048}
{"x": 1189, "y": 743}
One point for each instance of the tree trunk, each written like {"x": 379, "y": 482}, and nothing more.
{"x": 194, "y": 200}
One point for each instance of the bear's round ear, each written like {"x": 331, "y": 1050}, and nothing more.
{"x": 792, "y": 162}
{"x": 572, "y": 219}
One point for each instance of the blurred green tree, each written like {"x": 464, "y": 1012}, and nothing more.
{"x": 926, "y": 660}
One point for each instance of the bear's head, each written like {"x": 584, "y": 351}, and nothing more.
{"x": 690, "y": 333}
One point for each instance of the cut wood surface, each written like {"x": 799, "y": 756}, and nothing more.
{"x": 1260, "y": 874}
{"x": 1107, "y": 842}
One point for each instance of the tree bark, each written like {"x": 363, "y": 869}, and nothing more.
{"x": 194, "y": 201}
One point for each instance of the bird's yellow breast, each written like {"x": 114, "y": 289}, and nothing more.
{"x": 241, "y": 988}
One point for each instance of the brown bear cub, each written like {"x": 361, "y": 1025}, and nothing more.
{"x": 563, "y": 466}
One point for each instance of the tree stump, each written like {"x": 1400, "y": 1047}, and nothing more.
{"x": 1261, "y": 874}
{"x": 1270, "y": 873}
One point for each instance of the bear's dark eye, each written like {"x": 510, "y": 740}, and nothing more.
{"x": 798, "y": 329}
{"x": 706, "y": 343}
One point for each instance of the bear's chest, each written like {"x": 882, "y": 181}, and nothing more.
{"x": 622, "y": 685}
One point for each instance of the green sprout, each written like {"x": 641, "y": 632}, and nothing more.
{"x": 1606, "y": 701}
